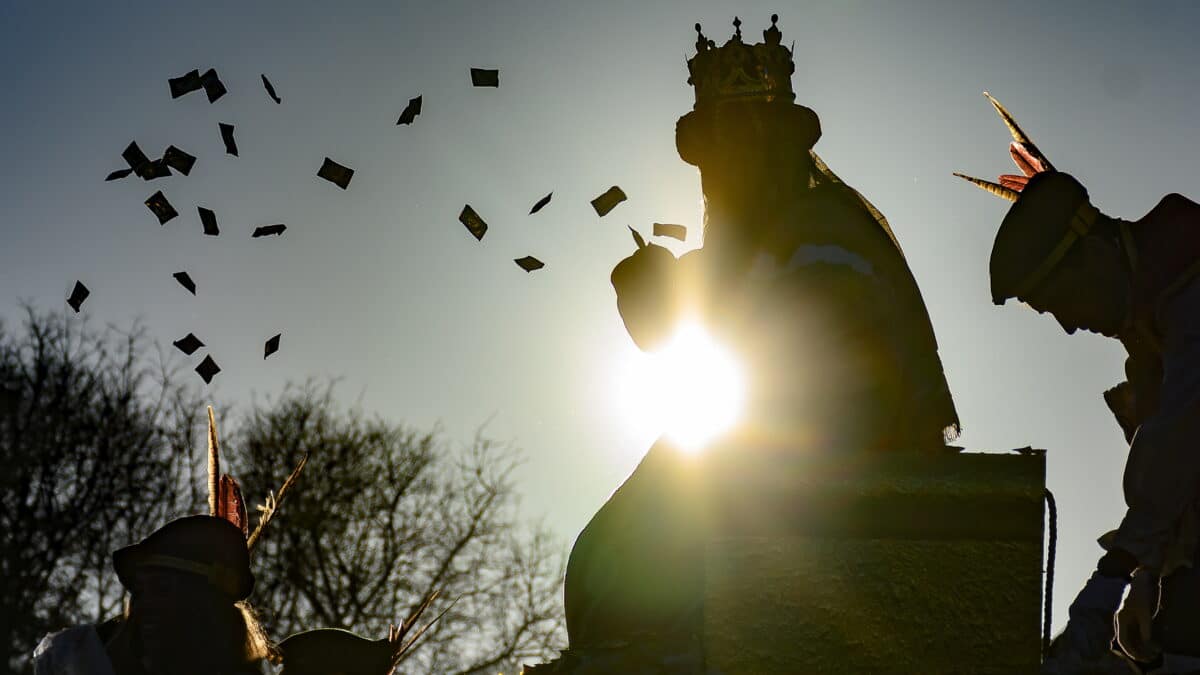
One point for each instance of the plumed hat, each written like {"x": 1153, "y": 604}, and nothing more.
{"x": 1050, "y": 216}
{"x": 206, "y": 546}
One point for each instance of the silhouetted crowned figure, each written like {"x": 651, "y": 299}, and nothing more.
{"x": 803, "y": 278}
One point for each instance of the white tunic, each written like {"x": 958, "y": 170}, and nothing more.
{"x": 73, "y": 651}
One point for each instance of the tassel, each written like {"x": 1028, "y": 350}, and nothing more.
{"x": 994, "y": 188}
{"x": 267, "y": 509}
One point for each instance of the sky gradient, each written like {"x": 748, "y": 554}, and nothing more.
{"x": 381, "y": 286}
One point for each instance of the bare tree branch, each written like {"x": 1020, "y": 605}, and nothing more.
{"x": 94, "y": 441}
{"x": 386, "y": 516}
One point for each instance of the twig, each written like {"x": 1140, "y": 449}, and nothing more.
{"x": 267, "y": 509}
{"x": 396, "y": 633}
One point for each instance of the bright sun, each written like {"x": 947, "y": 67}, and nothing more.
{"x": 691, "y": 389}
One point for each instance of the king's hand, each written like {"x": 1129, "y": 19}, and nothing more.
{"x": 647, "y": 295}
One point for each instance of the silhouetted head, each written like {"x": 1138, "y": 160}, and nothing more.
{"x": 743, "y": 131}
{"x": 332, "y": 651}
{"x": 209, "y": 548}
{"x": 753, "y": 157}
{"x": 186, "y": 582}
{"x": 1058, "y": 253}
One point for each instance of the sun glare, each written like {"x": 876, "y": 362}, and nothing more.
{"x": 691, "y": 390}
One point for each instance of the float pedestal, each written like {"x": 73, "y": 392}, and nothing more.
{"x": 885, "y": 565}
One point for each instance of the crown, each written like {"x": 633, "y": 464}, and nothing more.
{"x": 738, "y": 71}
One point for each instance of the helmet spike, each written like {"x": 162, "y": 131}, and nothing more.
{"x": 1018, "y": 134}
{"x": 988, "y": 186}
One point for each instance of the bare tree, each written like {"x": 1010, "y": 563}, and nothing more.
{"x": 99, "y": 446}
{"x": 95, "y": 442}
{"x": 382, "y": 516}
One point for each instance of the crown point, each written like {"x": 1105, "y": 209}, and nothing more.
{"x": 737, "y": 71}
{"x": 772, "y": 36}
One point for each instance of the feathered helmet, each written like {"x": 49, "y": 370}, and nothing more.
{"x": 1051, "y": 212}
{"x": 330, "y": 651}
{"x": 1039, "y": 230}
{"x": 217, "y": 546}
{"x": 210, "y": 547}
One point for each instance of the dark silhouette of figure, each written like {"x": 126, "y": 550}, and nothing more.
{"x": 332, "y": 651}
{"x": 803, "y": 278}
{"x": 1134, "y": 281}
{"x": 187, "y": 582}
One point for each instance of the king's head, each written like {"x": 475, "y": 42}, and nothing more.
{"x": 744, "y": 123}
{"x": 737, "y": 71}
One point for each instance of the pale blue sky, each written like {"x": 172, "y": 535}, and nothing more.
{"x": 382, "y": 286}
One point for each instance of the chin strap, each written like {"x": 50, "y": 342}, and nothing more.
{"x": 1081, "y": 223}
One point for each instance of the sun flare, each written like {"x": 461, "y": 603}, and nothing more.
{"x": 691, "y": 389}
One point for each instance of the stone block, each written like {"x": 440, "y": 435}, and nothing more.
{"x": 889, "y": 565}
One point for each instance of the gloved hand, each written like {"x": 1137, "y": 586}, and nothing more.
{"x": 1136, "y": 618}
{"x": 646, "y": 295}
{"x": 1090, "y": 631}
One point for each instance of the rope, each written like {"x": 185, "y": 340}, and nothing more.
{"x": 1051, "y": 550}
